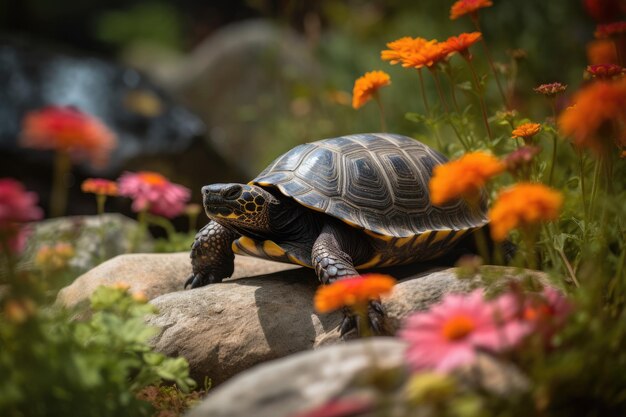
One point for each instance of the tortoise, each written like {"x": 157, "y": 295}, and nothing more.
{"x": 338, "y": 206}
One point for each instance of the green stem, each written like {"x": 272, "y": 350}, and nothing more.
{"x": 141, "y": 230}
{"x": 383, "y": 124}
{"x": 58, "y": 197}
{"x": 100, "y": 200}
{"x": 595, "y": 185}
{"x": 360, "y": 311}
{"x": 162, "y": 222}
{"x": 435, "y": 75}
{"x": 424, "y": 98}
{"x": 193, "y": 222}
{"x": 474, "y": 18}
{"x": 481, "y": 244}
{"x": 529, "y": 235}
{"x": 453, "y": 92}
{"x": 483, "y": 107}
{"x": 554, "y": 144}
{"x": 582, "y": 184}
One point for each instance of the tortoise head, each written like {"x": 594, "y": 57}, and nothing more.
{"x": 239, "y": 205}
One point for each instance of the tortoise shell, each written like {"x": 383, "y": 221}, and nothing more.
{"x": 377, "y": 182}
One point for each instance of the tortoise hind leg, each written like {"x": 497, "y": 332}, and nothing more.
{"x": 212, "y": 257}
{"x": 332, "y": 257}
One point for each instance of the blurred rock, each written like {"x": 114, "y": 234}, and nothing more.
{"x": 301, "y": 382}
{"x": 154, "y": 132}
{"x": 93, "y": 238}
{"x": 239, "y": 80}
{"x": 284, "y": 387}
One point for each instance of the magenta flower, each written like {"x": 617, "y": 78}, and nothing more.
{"x": 17, "y": 206}
{"x": 447, "y": 336}
{"x": 153, "y": 192}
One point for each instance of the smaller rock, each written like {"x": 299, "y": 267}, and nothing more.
{"x": 301, "y": 381}
{"x": 93, "y": 238}
{"x": 304, "y": 381}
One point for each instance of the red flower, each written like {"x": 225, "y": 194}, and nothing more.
{"x": 67, "y": 129}
{"x": 99, "y": 186}
{"x": 609, "y": 30}
{"x": 605, "y": 70}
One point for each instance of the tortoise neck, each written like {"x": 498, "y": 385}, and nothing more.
{"x": 290, "y": 221}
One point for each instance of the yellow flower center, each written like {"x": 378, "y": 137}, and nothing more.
{"x": 152, "y": 178}
{"x": 458, "y": 327}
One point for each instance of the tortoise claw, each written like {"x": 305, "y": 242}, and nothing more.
{"x": 375, "y": 315}
{"x": 200, "y": 280}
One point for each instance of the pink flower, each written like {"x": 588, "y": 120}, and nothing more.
{"x": 67, "y": 129}
{"x": 153, "y": 192}
{"x": 17, "y": 206}
{"x": 447, "y": 336}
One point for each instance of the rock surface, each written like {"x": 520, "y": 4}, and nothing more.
{"x": 304, "y": 381}
{"x": 264, "y": 312}
{"x": 299, "y": 382}
{"x": 151, "y": 274}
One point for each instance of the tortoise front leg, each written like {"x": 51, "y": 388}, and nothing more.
{"x": 212, "y": 258}
{"x": 331, "y": 261}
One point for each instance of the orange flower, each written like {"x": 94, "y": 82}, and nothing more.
{"x": 605, "y": 71}
{"x": 367, "y": 86}
{"x": 349, "y": 292}
{"x": 550, "y": 90}
{"x": 526, "y": 130}
{"x": 462, "y": 42}
{"x": 430, "y": 54}
{"x": 69, "y": 130}
{"x": 623, "y": 154}
{"x": 608, "y": 30}
{"x": 464, "y": 177}
{"x": 402, "y": 48}
{"x": 601, "y": 51}
{"x": 598, "y": 116}
{"x": 55, "y": 257}
{"x": 463, "y": 7}
{"x": 523, "y": 205}
{"x": 99, "y": 186}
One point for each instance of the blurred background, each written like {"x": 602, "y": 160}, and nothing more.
{"x": 212, "y": 91}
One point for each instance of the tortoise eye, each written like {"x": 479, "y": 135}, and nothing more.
{"x": 232, "y": 193}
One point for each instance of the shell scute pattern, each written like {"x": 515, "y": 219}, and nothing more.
{"x": 378, "y": 182}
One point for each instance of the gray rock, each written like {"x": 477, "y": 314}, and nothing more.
{"x": 223, "y": 329}
{"x": 94, "y": 238}
{"x": 238, "y": 80}
{"x": 301, "y": 382}
{"x": 150, "y": 274}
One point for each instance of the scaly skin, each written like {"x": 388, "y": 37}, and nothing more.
{"x": 212, "y": 258}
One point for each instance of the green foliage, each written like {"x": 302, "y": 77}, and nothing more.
{"x": 54, "y": 366}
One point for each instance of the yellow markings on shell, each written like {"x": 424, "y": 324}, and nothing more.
{"x": 352, "y": 224}
{"x": 272, "y": 250}
{"x": 249, "y": 245}
{"x": 371, "y": 263}
{"x": 420, "y": 239}
{"x": 459, "y": 234}
{"x": 441, "y": 234}
{"x": 403, "y": 241}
